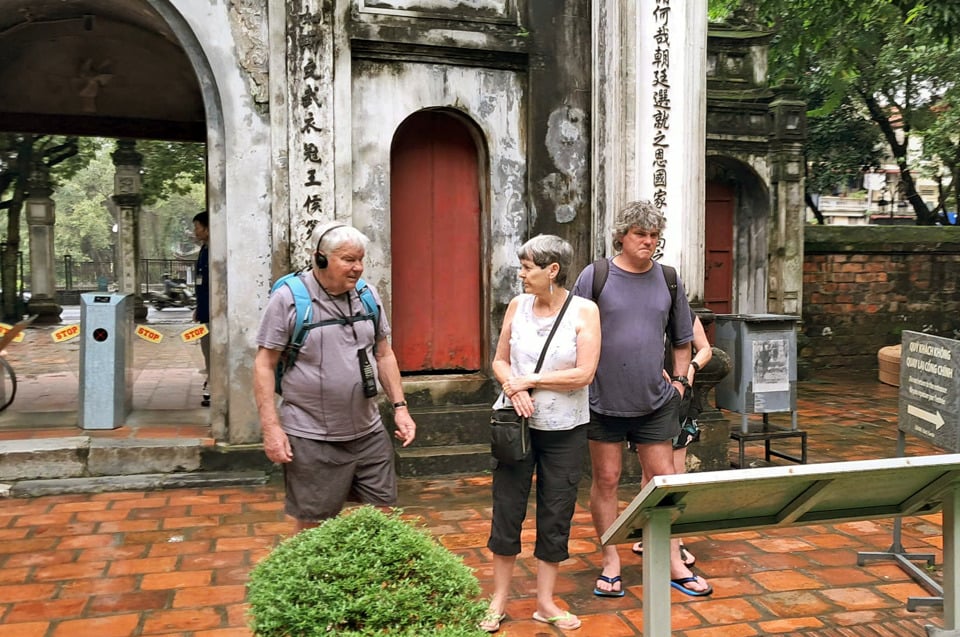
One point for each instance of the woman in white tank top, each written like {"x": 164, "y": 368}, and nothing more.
{"x": 556, "y": 402}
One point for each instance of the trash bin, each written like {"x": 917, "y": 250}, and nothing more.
{"x": 763, "y": 376}
{"x": 106, "y": 357}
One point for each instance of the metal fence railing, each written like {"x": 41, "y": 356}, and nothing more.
{"x": 84, "y": 276}
{"x": 73, "y": 277}
{"x": 152, "y": 273}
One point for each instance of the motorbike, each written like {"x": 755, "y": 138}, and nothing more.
{"x": 175, "y": 294}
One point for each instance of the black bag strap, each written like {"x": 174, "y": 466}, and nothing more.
{"x": 553, "y": 330}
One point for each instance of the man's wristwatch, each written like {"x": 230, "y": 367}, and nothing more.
{"x": 399, "y": 404}
{"x": 695, "y": 365}
{"x": 681, "y": 379}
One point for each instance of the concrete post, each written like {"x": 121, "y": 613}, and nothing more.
{"x": 127, "y": 188}
{"x": 41, "y": 216}
{"x": 785, "y": 270}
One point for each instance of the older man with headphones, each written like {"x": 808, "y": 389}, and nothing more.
{"x": 327, "y": 432}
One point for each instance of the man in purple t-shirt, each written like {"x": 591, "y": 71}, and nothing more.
{"x": 630, "y": 399}
{"x": 327, "y": 432}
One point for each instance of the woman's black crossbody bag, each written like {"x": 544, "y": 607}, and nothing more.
{"x": 509, "y": 431}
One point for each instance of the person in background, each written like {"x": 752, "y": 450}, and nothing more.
{"x": 201, "y": 230}
{"x": 556, "y": 401}
{"x": 689, "y": 429}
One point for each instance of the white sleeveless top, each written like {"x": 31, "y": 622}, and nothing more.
{"x": 553, "y": 410}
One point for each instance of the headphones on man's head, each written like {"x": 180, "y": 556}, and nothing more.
{"x": 320, "y": 258}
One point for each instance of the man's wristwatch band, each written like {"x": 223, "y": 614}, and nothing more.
{"x": 695, "y": 365}
{"x": 681, "y": 379}
{"x": 400, "y": 404}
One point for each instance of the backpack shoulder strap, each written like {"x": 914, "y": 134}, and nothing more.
{"x": 304, "y": 309}
{"x": 369, "y": 304}
{"x": 670, "y": 278}
{"x": 601, "y": 270}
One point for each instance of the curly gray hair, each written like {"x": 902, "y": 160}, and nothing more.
{"x": 637, "y": 214}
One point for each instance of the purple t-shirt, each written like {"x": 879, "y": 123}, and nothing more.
{"x": 323, "y": 392}
{"x": 634, "y": 313}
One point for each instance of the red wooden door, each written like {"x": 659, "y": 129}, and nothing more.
{"x": 435, "y": 245}
{"x": 718, "y": 257}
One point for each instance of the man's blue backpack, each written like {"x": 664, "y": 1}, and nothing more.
{"x": 304, "y": 305}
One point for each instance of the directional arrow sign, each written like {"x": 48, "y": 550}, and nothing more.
{"x": 930, "y": 389}
{"x": 934, "y": 419}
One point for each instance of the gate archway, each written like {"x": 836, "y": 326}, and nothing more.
{"x": 130, "y": 69}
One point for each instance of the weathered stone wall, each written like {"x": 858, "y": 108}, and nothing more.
{"x": 864, "y": 285}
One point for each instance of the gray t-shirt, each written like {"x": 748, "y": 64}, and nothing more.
{"x": 634, "y": 313}
{"x": 323, "y": 392}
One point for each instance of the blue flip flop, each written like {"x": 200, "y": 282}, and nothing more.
{"x": 599, "y": 592}
{"x": 681, "y": 582}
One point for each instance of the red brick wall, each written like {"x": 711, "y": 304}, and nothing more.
{"x": 864, "y": 285}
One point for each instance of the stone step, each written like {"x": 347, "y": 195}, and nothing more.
{"x": 82, "y": 456}
{"x": 139, "y": 482}
{"x": 449, "y": 425}
{"x": 422, "y": 462}
{"x": 84, "y": 464}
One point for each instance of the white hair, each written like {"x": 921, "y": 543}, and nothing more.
{"x": 328, "y": 237}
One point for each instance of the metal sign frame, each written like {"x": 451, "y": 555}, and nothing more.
{"x": 724, "y": 501}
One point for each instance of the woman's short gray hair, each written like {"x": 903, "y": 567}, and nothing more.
{"x": 545, "y": 249}
{"x": 636, "y": 214}
{"x": 328, "y": 237}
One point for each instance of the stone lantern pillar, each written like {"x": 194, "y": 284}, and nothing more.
{"x": 785, "y": 274}
{"x": 128, "y": 198}
{"x": 41, "y": 216}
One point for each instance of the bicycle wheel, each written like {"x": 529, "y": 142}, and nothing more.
{"x": 8, "y": 384}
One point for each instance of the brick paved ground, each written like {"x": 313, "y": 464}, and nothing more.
{"x": 175, "y": 562}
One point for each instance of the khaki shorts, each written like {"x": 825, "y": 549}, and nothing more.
{"x": 323, "y": 476}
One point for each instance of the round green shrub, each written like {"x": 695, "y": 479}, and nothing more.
{"x": 364, "y": 573}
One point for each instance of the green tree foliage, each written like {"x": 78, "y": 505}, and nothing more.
{"x": 892, "y": 60}
{"x": 942, "y": 145}
{"x": 171, "y": 168}
{"x": 940, "y": 18}
{"x": 84, "y": 227}
{"x": 839, "y": 146}
{"x": 166, "y": 226}
{"x": 86, "y": 214}
{"x": 81, "y": 176}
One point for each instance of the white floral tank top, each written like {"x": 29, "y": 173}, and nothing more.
{"x": 553, "y": 410}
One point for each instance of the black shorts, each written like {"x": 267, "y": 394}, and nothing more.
{"x": 662, "y": 424}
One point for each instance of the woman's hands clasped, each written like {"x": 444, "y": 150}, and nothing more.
{"x": 516, "y": 388}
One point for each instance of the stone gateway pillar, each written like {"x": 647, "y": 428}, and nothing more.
{"x": 41, "y": 216}
{"x": 127, "y": 188}
{"x": 649, "y": 118}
